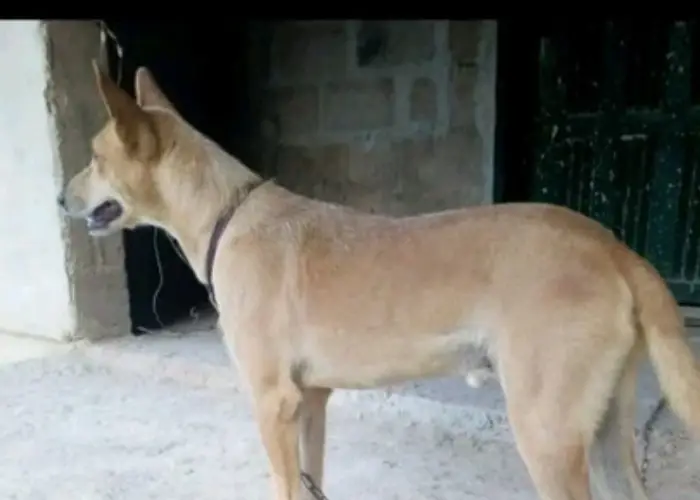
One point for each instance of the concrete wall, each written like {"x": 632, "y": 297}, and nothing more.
{"x": 55, "y": 281}
{"x": 34, "y": 285}
{"x": 392, "y": 116}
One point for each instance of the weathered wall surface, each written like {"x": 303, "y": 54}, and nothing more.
{"x": 56, "y": 282}
{"x": 34, "y": 285}
{"x": 392, "y": 116}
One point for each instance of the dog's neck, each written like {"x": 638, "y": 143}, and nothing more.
{"x": 197, "y": 196}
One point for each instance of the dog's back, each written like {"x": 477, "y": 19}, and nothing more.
{"x": 421, "y": 291}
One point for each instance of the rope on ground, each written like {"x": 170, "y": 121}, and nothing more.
{"x": 646, "y": 437}
{"x": 310, "y": 485}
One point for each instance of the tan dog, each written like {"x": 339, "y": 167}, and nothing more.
{"x": 314, "y": 296}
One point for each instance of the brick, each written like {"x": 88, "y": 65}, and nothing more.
{"x": 460, "y": 157}
{"x": 322, "y": 172}
{"x": 367, "y": 199}
{"x": 373, "y": 165}
{"x": 316, "y": 171}
{"x": 358, "y": 105}
{"x": 424, "y": 100}
{"x": 400, "y": 177}
{"x": 295, "y": 110}
{"x": 438, "y": 173}
{"x": 382, "y": 44}
{"x": 309, "y": 51}
{"x": 462, "y": 102}
{"x": 464, "y": 41}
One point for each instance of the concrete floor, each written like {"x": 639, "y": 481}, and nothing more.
{"x": 162, "y": 416}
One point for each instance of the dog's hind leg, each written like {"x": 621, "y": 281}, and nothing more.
{"x": 614, "y": 471}
{"x": 313, "y": 433}
{"x": 555, "y": 456}
{"x": 547, "y": 435}
{"x": 556, "y": 400}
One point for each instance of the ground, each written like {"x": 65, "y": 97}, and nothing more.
{"x": 162, "y": 416}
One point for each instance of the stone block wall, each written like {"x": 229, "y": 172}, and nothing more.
{"x": 392, "y": 116}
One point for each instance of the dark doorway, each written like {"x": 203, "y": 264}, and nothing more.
{"x": 202, "y": 68}
{"x": 517, "y": 104}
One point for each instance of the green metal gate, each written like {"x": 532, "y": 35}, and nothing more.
{"x": 618, "y": 136}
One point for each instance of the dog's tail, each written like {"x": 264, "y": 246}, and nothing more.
{"x": 664, "y": 334}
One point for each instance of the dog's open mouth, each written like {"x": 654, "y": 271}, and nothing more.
{"x": 102, "y": 216}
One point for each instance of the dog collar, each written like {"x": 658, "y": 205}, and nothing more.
{"x": 216, "y": 233}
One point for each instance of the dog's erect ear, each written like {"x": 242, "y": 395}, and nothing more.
{"x": 119, "y": 104}
{"x": 132, "y": 123}
{"x": 148, "y": 93}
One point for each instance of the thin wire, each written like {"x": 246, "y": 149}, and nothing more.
{"x": 161, "y": 280}
{"x": 107, "y": 35}
{"x": 646, "y": 437}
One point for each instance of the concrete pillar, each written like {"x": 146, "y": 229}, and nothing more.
{"x": 56, "y": 281}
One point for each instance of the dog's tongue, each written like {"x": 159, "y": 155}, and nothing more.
{"x": 104, "y": 214}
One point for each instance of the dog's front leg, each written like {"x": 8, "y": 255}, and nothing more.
{"x": 277, "y": 412}
{"x": 313, "y": 434}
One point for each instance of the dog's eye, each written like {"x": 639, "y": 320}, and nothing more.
{"x": 98, "y": 162}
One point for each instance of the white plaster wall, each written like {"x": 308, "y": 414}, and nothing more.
{"x": 34, "y": 282}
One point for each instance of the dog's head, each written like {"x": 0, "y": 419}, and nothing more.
{"x": 118, "y": 189}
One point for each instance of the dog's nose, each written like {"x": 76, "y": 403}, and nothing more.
{"x": 61, "y": 200}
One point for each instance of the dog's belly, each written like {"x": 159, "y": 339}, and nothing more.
{"x": 386, "y": 360}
